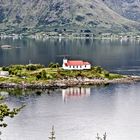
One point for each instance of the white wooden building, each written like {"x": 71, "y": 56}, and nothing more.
{"x": 4, "y": 73}
{"x": 75, "y": 65}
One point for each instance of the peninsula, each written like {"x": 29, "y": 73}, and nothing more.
{"x": 36, "y": 76}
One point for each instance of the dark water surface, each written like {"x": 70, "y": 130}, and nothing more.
{"x": 76, "y": 113}
{"x": 115, "y": 55}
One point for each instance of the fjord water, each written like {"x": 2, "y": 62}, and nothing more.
{"x": 76, "y": 113}
{"x": 114, "y": 109}
{"x": 114, "y": 55}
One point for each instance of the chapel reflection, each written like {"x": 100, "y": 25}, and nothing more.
{"x": 74, "y": 93}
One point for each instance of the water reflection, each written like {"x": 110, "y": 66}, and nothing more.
{"x": 114, "y": 109}
{"x": 26, "y": 95}
{"x": 74, "y": 93}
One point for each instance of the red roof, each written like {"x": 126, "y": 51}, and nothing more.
{"x": 76, "y": 63}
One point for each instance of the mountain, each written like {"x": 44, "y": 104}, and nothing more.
{"x": 127, "y": 8}
{"x": 42, "y": 15}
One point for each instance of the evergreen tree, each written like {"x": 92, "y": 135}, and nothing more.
{"x": 99, "y": 138}
{"x": 52, "y": 137}
{"x": 104, "y": 136}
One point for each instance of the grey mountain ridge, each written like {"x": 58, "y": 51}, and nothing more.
{"x": 97, "y": 15}
{"x": 127, "y": 8}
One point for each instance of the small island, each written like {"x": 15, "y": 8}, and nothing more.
{"x": 37, "y": 76}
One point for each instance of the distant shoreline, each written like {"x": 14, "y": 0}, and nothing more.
{"x": 73, "y": 35}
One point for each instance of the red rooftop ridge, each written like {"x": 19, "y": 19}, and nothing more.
{"x": 76, "y": 63}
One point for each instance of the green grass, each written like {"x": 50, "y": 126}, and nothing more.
{"x": 40, "y": 74}
{"x": 115, "y": 76}
{"x": 2, "y": 79}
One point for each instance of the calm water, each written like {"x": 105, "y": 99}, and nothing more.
{"x": 120, "y": 56}
{"x": 77, "y": 113}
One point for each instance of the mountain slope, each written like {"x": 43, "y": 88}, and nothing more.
{"x": 127, "y": 8}
{"x": 71, "y": 14}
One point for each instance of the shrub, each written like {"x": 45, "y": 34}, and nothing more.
{"x": 50, "y": 65}
{"x": 106, "y": 74}
{"x": 48, "y": 76}
{"x": 53, "y": 65}
{"x": 13, "y": 69}
{"x": 33, "y": 67}
{"x": 5, "y": 68}
{"x": 17, "y": 67}
{"x": 98, "y": 69}
{"x": 41, "y": 75}
{"x": 38, "y": 76}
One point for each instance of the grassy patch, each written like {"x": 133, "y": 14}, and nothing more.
{"x": 39, "y": 73}
{"x": 115, "y": 76}
{"x": 2, "y": 79}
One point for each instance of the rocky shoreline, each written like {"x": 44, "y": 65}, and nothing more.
{"x": 74, "y": 82}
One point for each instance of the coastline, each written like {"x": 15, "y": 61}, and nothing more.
{"x": 74, "y": 82}
{"x": 36, "y": 76}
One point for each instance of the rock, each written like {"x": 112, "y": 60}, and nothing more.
{"x": 6, "y": 46}
{"x": 70, "y": 83}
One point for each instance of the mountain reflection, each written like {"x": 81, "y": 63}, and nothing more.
{"x": 73, "y": 93}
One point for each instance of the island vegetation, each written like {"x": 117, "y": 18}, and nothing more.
{"x": 33, "y": 72}
{"x": 39, "y": 76}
